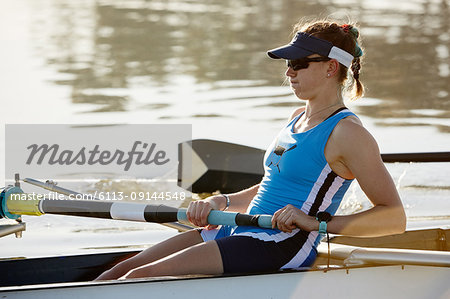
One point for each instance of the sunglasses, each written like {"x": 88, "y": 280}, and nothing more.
{"x": 303, "y": 63}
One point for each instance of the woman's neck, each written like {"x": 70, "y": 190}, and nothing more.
{"x": 322, "y": 104}
{"x": 328, "y": 98}
{"x": 315, "y": 113}
{"x": 319, "y": 110}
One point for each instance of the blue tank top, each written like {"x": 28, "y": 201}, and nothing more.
{"x": 297, "y": 173}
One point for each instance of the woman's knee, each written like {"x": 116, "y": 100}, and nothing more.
{"x": 118, "y": 270}
{"x": 144, "y": 271}
{"x": 152, "y": 254}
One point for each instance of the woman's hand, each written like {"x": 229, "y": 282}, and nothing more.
{"x": 198, "y": 211}
{"x": 289, "y": 218}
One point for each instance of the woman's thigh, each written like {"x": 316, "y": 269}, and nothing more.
{"x": 166, "y": 248}
{"x": 203, "y": 258}
{"x": 154, "y": 253}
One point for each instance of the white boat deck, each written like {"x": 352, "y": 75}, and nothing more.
{"x": 393, "y": 281}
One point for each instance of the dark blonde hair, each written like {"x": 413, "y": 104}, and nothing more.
{"x": 344, "y": 36}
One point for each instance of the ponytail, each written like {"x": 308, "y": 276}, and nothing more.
{"x": 358, "y": 90}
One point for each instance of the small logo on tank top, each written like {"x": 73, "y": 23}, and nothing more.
{"x": 279, "y": 152}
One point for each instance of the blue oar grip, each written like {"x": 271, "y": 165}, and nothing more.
{"x": 265, "y": 221}
{"x": 216, "y": 217}
{"x": 181, "y": 215}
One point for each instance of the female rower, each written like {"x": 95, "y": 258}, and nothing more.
{"x": 308, "y": 168}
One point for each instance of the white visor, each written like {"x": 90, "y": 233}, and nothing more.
{"x": 340, "y": 55}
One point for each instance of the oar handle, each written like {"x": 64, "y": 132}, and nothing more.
{"x": 216, "y": 217}
{"x": 13, "y": 203}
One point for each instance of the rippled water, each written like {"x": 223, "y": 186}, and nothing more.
{"x": 204, "y": 63}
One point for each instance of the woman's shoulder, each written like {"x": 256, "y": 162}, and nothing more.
{"x": 351, "y": 145}
{"x": 296, "y": 112}
{"x": 350, "y": 135}
{"x": 348, "y": 128}
{"x": 351, "y": 121}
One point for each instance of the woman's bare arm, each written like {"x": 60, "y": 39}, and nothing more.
{"x": 360, "y": 154}
{"x": 358, "y": 151}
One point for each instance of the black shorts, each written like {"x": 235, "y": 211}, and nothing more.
{"x": 246, "y": 254}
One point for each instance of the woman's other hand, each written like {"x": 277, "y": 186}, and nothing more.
{"x": 288, "y": 218}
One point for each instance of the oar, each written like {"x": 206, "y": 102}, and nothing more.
{"x": 209, "y": 165}
{"x": 18, "y": 203}
{"x": 416, "y": 157}
{"x": 51, "y": 186}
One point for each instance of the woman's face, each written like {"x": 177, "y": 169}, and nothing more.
{"x": 306, "y": 83}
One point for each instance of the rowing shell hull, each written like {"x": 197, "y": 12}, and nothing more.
{"x": 366, "y": 282}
